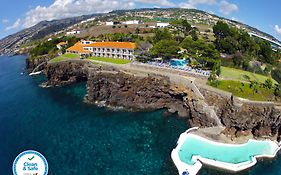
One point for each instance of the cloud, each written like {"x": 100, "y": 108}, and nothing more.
{"x": 69, "y": 8}
{"x": 186, "y": 6}
{"x": 5, "y": 21}
{"x": 277, "y": 29}
{"x": 227, "y": 8}
{"x": 15, "y": 25}
{"x": 208, "y": 2}
{"x": 158, "y": 2}
{"x": 191, "y": 4}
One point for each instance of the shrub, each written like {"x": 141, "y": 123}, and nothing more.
{"x": 268, "y": 83}
{"x": 213, "y": 81}
{"x": 277, "y": 90}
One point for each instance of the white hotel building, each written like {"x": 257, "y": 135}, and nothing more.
{"x": 121, "y": 50}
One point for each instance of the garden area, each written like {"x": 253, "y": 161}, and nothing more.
{"x": 110, "y": 60}
{"x": 251, "y": 91}
{"x": 228, "y": 73}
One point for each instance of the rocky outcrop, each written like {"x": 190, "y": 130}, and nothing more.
{"x": 262, "y": 119}
{"x": 112, "y": 87}
{"x": 65, "y": 73}
{"x": 32, "y": 63}
{"x": 135, "y": 93}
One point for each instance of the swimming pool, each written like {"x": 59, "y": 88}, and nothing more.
{"x": 193, "y": 151}
{"x": 195, "y": 145}
{"x": 178, "y": 63}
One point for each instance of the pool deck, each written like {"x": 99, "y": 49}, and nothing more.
{"x": 218, "y": 138}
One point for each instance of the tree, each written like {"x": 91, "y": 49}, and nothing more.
{"x": 268, "y": 83}
{"x": 194, "y": 35}
{"x": 265, "y": 52}
{"x": 255, "y": 86}
{"x": 277, "y": 90}
{"x": 267, "y": 69}
{"x": 246, "y": 44}
{"x": 200, "y": 48}
{"x": 217, "y": 68}
{"x": 221, "y": 30}
{"x": 237, "y": 59}
{"x": 276, "y": 75}
{"x": 165, "y": 49}
{"x": 213, "y": 81}
{"x": 162, "y": 35}
{"x": 183, "y": 26}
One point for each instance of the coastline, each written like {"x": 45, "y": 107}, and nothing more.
{"x": 101, "y": 80}
{"x": 207, "y": 108}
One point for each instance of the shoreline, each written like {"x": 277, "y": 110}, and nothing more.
{"x": 128, "y": 84}
{"x": 209, "y": 108}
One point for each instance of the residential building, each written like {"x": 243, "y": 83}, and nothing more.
{"x": 61, "y": 44}
{"x": 111, "y": 23}
{"x": 123, "y": 50}
{"x": 131, "y": 22}
{"x": 73, "y": 32}
{"x": 162, "y": 25}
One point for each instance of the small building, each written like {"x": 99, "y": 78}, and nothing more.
{"x": 61, "y": 45}
{"x": 121, "y": 50}
{"x": 131, "y": 22}
{"x": 162, "y": 25}
{"x": 111, "y": 23}
{"x": 73, "y": 32}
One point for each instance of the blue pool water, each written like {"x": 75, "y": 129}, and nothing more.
{"x": 178, "y": 63}
{"x": 224, "y": 153}
{"x": 80, "y": 139}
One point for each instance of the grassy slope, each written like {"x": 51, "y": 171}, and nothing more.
{"x": 243, "y": 90}
{"x": 110, "y": 60}
{"x": 236, "y": 74}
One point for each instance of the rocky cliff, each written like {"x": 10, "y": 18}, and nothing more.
{"x": 261, "y": 119}
{"x": 65, "y": 73}
{"x": 32, "y": 63}
{"x": 111, "y": 87}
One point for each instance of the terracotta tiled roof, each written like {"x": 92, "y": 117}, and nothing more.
{"x": 62, "y": 43}
{"x": 123, "y": 45}
{"x": 78, "y": 47}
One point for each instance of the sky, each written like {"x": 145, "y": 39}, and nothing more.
{"x": 16, "y": 15}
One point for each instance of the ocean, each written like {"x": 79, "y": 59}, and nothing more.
{"x": 77, "y": 138}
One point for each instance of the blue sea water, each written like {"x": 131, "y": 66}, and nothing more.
{"x": 81, "y": 139}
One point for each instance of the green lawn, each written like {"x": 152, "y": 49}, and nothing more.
{"x": 239, "y": 75}
{"x": 71, "y": 55}
{"x": 110, "y": 60}
{"x": 65, "y": 57}
{"x": 243, "y": 90}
